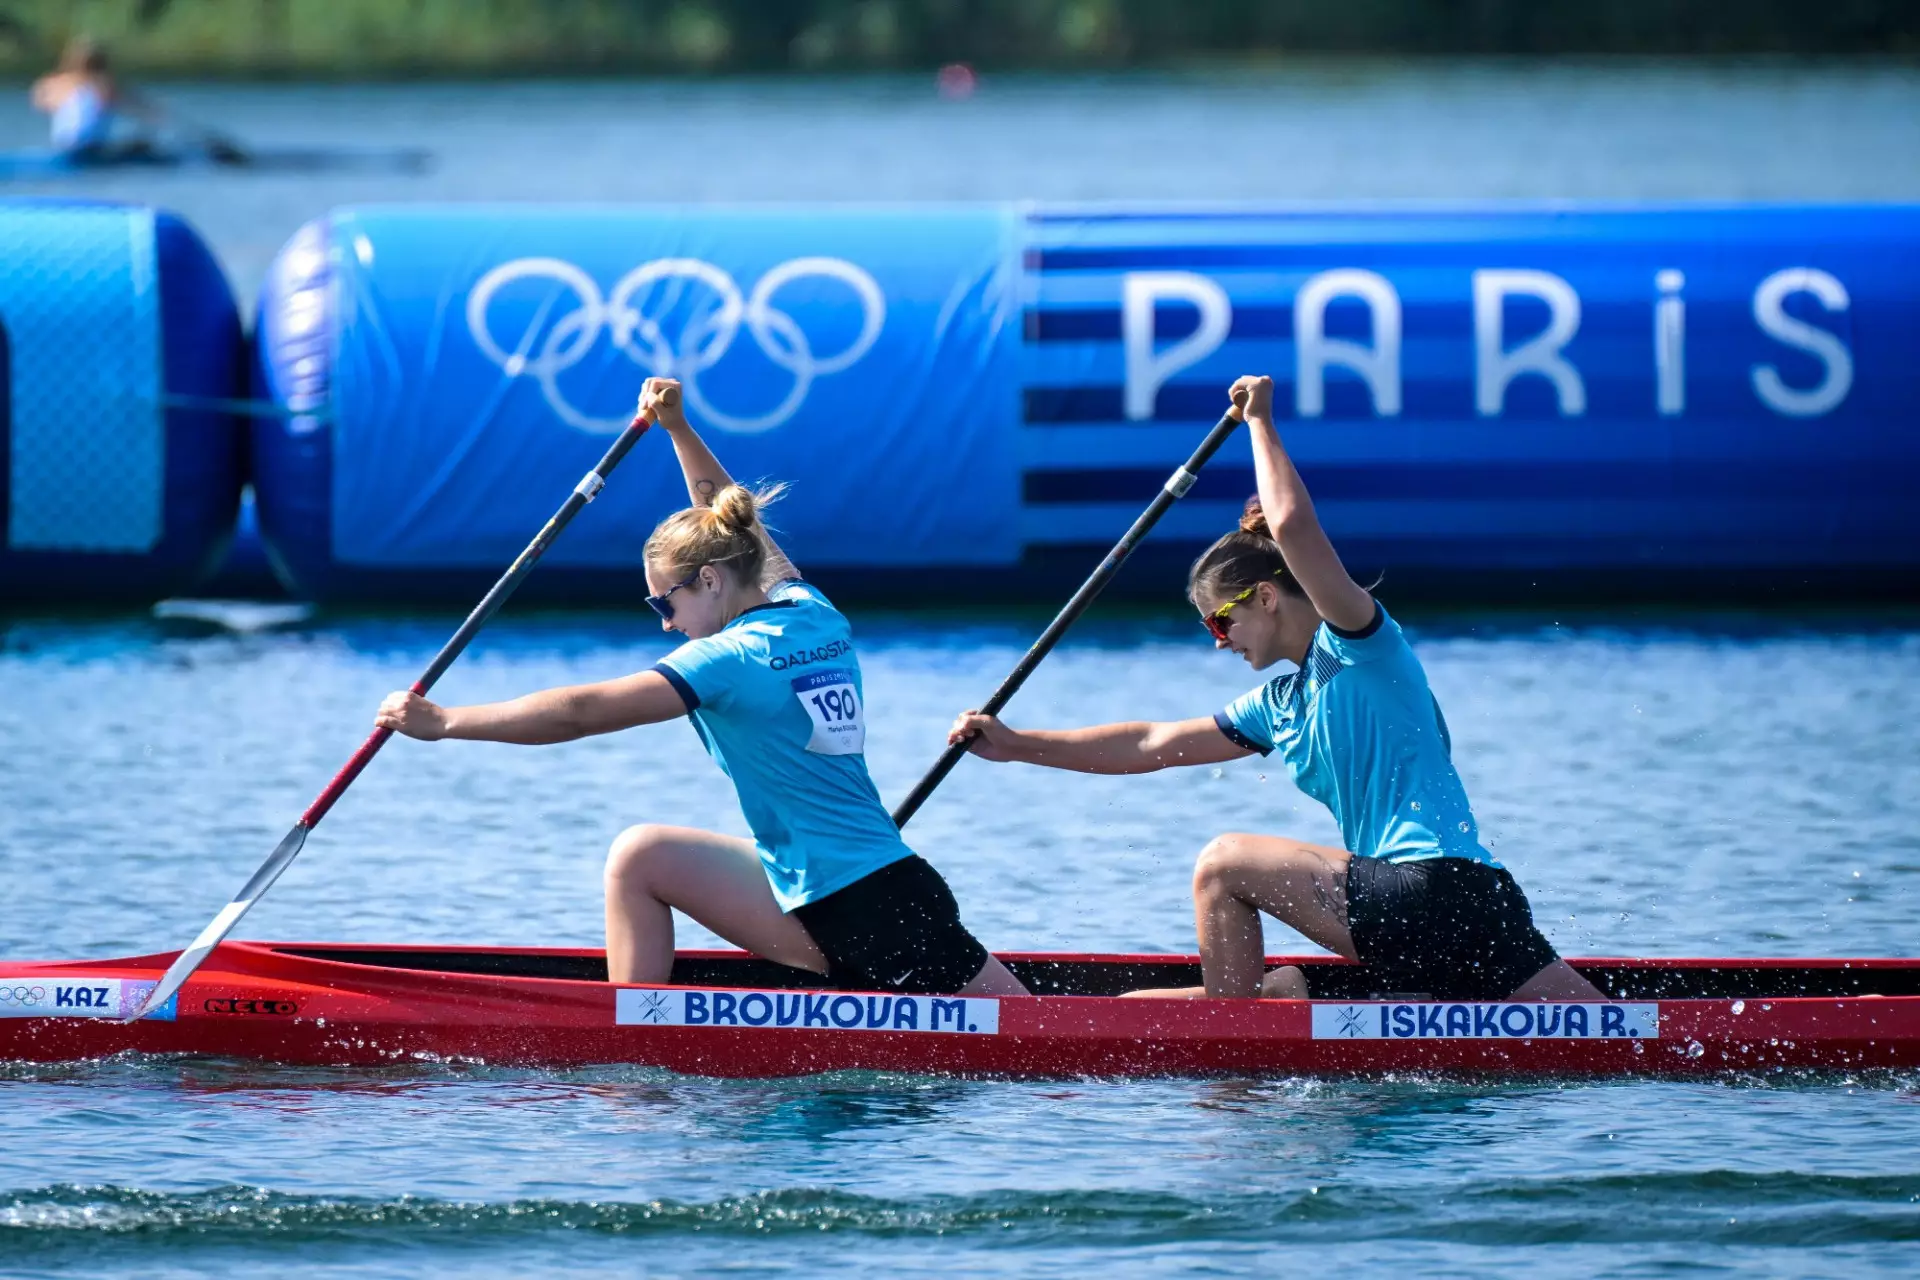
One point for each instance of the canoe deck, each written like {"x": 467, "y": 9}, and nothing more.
{"x": 730, "y": 1014}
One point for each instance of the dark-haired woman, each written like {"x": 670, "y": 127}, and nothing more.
{"x": 769, "y": 677}
{"x": 1413, "y": 895}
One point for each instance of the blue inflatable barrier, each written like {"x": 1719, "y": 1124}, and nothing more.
{"x": 119, "y": 339}
{"x": 1685, "y": 394}
{"x": 448, "y": 375}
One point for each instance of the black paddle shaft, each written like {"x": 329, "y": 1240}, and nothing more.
{"x": 1175, "y": 488}
{"x": 583, "y": 493}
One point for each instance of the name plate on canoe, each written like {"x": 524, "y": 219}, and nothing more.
{"x": 1518, "y": 1020}
{"x": 815, "y": 1010}
{"x": 79, "y": 998}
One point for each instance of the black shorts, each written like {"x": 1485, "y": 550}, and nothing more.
{"x": 897, "y": 929}
{"x": 1449, "y": 927}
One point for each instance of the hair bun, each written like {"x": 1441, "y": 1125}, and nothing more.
{"x": 1253, "y": 520}
{"x": 736, "y": 507}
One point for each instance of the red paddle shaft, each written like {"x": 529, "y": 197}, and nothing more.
{"x": 289, "y": 847}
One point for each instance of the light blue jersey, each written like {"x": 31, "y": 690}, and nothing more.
{"x": 776, "y": 698}
{"x": 1362, "y": 734}
{"x": 84, "y": 120}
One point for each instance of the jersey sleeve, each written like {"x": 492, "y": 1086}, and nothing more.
{"x": 1248, "y": 722}
{"x": 1381, "y": 638}
{"x": 704, "y": 672}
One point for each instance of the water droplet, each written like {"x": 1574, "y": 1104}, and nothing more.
{"x": 1739, "y": 1006}
{"x": 1696, "y": 1050}
{"x": 1219, "y": 773}
{"x": 1416, "y": 806}
{"x": 1639, "y": 1046}
{"x": 1463, "y": 826}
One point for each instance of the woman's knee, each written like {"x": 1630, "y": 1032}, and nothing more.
{"x": 1221, "y": 865}
{"x": 1289, "y": 982}
{"x": 632, "y": 850}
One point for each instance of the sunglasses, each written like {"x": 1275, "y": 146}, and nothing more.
{"x": 662, "y": 604}
{"x": 1217, "y": 623}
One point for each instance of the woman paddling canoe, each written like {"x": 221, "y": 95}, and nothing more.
{"x": 769, "y": 677}
{"x": 1414, "y": 895}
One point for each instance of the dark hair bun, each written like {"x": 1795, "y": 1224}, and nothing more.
{"x": 1253, "y": 520}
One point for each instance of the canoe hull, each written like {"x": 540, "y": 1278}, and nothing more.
{"x": 302, "y": 1005}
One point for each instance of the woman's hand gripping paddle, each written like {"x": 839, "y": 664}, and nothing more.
{"x": 1175, "y": 488}
{"x": 583, "y": 493}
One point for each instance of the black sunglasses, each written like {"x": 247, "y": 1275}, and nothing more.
{"x": 662, "y": 604}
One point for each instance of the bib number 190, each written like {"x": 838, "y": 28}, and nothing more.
{"x": 832, "y": 703}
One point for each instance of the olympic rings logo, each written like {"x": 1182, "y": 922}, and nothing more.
{"x": 22, "y": 995}
{"x": 702, "y": 341}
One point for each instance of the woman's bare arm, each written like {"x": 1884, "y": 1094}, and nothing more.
{"x": 552, "y": 715}
{"x": 704, "y": 475}
{"x": 1138, "y": 746}
{"x": 1304, "y": 545}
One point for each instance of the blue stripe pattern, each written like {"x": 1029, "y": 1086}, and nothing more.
{"x": 1618, "y": 481}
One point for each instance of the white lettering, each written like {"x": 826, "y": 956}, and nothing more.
{"x": 1147, "y": 370}
{"x": 1378, "y": 365}
{"x": 1770, "y": 313}
{"x": 1496, "y": 366}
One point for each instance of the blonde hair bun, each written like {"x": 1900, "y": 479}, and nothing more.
{"x": 736, "y": 507}
{"x": 726, "y": 532}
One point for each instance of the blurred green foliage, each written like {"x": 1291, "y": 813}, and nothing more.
{"x": 469, "y": 37}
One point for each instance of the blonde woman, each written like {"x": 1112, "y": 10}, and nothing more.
{"x": 770, "y": 678}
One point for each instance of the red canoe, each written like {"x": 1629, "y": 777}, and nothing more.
{"x": 730, "y": 1014}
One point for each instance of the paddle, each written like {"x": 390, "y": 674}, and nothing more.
{"x": 182, "y": 968}
{"x": 1175, "y": 488}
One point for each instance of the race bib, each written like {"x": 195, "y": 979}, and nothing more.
{"x": 833, "y": 704}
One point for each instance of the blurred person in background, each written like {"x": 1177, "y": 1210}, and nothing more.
{"x": 87, "y": 103}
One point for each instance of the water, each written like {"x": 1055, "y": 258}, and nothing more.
{"x": 1310, "y": 131}
{"x": 1693, "y": 785}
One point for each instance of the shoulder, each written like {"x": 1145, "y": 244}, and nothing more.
{"x": 794, "y": 607}
{"x": 1251, "y": 719}
{"x": 798, "y": 593}
{"x": 704, "y": 671}
{"x": 1378, "y": 639}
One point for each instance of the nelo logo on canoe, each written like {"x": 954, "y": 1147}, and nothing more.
{"x": 276, "y": 1008}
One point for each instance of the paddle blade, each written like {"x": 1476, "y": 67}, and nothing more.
{"x": 221, "y": 925}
